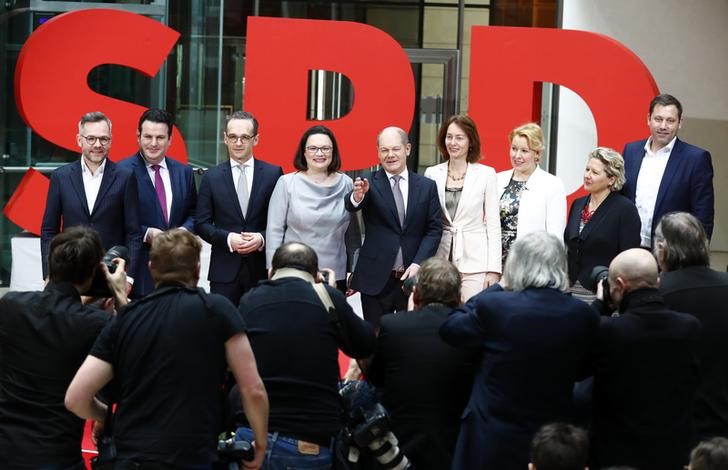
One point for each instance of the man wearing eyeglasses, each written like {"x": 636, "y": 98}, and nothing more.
{"x": 167, "y": 192}
{"x": 95, "y": 192}
{"x": 232, "y": 210}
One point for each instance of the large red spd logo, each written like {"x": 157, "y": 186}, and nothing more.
{"x": 51, "y": 89}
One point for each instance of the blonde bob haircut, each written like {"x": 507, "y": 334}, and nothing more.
{"x": 532, "y": 133}
{"x": 613, "y": 165}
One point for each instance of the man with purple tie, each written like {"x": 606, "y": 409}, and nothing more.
{"x": 167, "y": 193}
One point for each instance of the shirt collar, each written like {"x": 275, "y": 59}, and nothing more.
{"x": 404, "y": 175}
{"x": 666, "y": 149}
{"x": 247, "y": 164}
{"x": 86, "y": 169}
{"x": 162, "y": 164}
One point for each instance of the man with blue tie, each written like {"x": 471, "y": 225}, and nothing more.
{"x": 232, "y": 210}
{"x": 665, "y": 174}
{"x": 403, "y": 226}
{"x": 95, "y": 192}
{"x": 167, "y": 192}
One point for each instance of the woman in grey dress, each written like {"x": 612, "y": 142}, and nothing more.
{"x": 308, "y": 206}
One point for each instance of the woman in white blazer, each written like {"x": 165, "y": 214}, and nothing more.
{"x": 530, "y": 199}
{"x": 468, "y": 194}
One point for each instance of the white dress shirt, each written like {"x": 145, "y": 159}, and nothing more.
{"x": 92, "y": 182}
{"x": 648, "y": 184}
{"x": 248, "y": 168}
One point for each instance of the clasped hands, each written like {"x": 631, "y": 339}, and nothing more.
{"x": 246, "y": 242}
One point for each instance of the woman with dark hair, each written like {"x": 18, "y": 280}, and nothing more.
{"x": 471, "y": 236}
{"x": 308, "y": 206}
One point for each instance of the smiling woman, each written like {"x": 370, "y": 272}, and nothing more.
{"x": 602, "y": 224}
{"x": 471, "y": 236}
{"x": 308, "y": 206}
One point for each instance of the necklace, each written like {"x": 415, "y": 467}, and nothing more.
{"x": 456, "y": 178}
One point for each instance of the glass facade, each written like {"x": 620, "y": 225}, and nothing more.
{"x": 204, "y": 76}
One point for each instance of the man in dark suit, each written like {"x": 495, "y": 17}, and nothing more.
{"x": 232, "y": 210}
{"x": 403, "y": 226}
{"x": 665, "y": 174}
{"x": 645, "y": 368}
{"x": 167, "y": 192}
{"x": 689, "y": 285}
{"x": 425, "y": 382}
{"x": 96, "y": 192}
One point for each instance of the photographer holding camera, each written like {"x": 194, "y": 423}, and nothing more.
{"x": 44, "y": 338}
{"x": 296, "y": 338}
{"x": 645, "y": 364}
{"x": 168, "y": 355}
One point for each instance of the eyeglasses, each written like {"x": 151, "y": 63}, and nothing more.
{"x": 240, "y": 138}
{"x": 313, "y": 150}
{"x": 91, "y": 139}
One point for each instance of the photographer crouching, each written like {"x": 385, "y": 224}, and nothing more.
{"x": 167, "y": 354}
{"x": 44, "y": 338}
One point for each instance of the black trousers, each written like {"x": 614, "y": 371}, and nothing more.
{"x": 252, "y": 270}
{"x": 391, "y": 299}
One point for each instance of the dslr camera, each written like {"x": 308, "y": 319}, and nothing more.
{"x": 367, "y": 428}
{"x": 99, "y": 287}
{"x": 599, "y": 276}
{"x": 230, "y": 452}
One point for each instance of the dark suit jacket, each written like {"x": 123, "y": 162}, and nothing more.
{"x": 687, "y": 184}
{"x": 114, "y": 216}
{"x": 614, "y": 227}
{"x": 218, "y": 214}
{"x": 645, "y": 375}
{"x": 184, "y": 199}
{"x": 425, "y": 383}
{"x": 703, "y": 292}
{"x": 535, "y": 344}
{"x": 383, "y": 236}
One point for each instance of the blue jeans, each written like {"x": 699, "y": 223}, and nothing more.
{"x": 283, "y": 454}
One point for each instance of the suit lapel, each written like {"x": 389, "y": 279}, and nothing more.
{"x": 227, "y": 181}
{"x": 470, "y": 183}
{"x": 441, "y": 181}
{"x": 599, "y": 215}
{"x": 674, "y": 162}
{"x": 77, "y": 183}
{"x": 412, "y": 191}
{"x": 106, "y": 182}
{"x": 258, "y": 180}
{"x": 176, "y": 175}
{"x": 380, "y": 183}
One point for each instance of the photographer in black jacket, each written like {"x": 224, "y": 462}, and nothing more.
{"x": 296, "y": 343}
{"x": 44, "y": 338}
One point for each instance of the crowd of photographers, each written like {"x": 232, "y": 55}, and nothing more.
{"x": 167, "y": 378}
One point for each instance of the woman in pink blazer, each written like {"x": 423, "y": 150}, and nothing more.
{"x": 468, "y": 194}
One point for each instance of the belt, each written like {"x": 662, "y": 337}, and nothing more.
{"x": 397, "y": 273}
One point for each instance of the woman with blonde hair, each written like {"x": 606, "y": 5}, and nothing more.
{"x": 530, "y": 198}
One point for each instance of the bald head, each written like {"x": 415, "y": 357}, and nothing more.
{"x": 636, "y": 267}
{"x": 393, "y": 132}
{"x": 295, "y": 255}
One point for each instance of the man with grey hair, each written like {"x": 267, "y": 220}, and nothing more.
{"x": 425, "y": 382}
{"x": 645, "y": 366}
{"x": 232, "y": 210}
{"x": 95, "y": 192}
{"x": 689, "y": 285}
{"x": 535, "y": 341}
{"x": 403, "y": 226}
